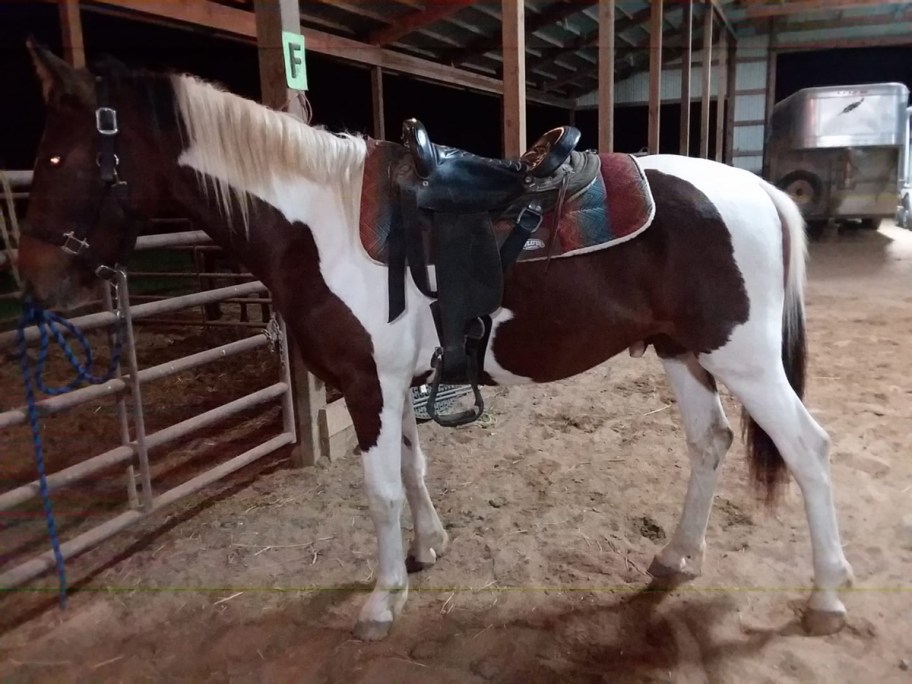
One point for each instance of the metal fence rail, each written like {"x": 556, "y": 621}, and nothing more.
{"x": 134, "y": 450}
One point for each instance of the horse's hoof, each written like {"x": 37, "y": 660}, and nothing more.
{"x": 413, "y": 565}
{"x": 659, "y": 571}
{"x": 823, "y": 622}
{"x": 373, "y": 630}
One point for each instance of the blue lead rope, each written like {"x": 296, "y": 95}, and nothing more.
{"x": 33, "y": 376}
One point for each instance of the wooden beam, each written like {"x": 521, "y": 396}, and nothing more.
{"x": 732, "y": 92}
{"x": 514, "y": 77}
{"x": 379, "y": 119}
{"x": 606, "y": 12}
{"x": 655, "y": 75}
{"x": 436, "y": 11}
{"x": 793, "y": 7}
{"x": 240, "y": 23}
{"x": 71, "y": 30}
{"x": 721, "y": 96}
{"x": 707, "y": 80}
{"x": 686, "y": 69}
{"x": 903, "y": 40}
{"x": 717, "y": 6}
{"x": 882, "y": 20}
{"x": 271, "y": 18}
{"x": 550, "y": 15}
{"x": 770, "y": 90}
{"x": 309, "y": 395}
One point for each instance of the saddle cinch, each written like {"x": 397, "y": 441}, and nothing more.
{"x": 449, "y": 201}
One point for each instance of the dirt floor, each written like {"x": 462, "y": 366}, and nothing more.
{"x": 555, "y": 504}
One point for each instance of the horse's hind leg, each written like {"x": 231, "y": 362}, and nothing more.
{"x": 766, "y": 394}
{"x": 709, "y": 437}
{"x": 430, "y": 538}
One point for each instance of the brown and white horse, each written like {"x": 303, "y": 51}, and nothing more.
{"x": 715, "y": 285}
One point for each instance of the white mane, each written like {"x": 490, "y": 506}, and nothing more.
{"x": 241, "y": 146}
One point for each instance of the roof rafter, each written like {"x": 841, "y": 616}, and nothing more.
{"x": 589, "y": 39}
{"x": 436, "y": 10}
{"x": 552, "y": 14}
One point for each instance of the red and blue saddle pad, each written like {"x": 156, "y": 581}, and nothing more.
{"x": 616, "y": 207}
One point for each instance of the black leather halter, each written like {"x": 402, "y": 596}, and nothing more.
{"x": 75, "y": 241}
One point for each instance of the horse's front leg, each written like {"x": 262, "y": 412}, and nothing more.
{"x": 430, "y": 540}
{"x": 381, "y": 457}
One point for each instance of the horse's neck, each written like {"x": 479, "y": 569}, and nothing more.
{"x": 275, "y": 221}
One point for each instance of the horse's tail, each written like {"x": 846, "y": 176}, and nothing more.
{"x": 766, "y": 464}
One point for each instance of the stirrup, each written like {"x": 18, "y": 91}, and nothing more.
{"x": 456, "y": 419}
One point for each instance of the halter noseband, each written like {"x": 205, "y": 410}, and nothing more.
{"x": 74, "y": 242}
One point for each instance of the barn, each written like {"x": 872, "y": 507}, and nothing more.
{"x": 199, "y": 512}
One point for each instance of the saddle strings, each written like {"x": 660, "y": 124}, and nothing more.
{"x": 558, "y": 211}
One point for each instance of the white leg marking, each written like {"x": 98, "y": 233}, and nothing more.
{"x": 383, "y": 482}
{"x": 430, "y": 540}
{"x": 709, "y": 437}
{"x": 804, "y": 445}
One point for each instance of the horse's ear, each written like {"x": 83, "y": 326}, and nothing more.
{"x": 55, "y": 75}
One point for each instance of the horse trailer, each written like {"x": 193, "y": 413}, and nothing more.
{"x": 842, "y": 152}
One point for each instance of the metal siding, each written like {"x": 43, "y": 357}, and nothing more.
{"x": 749, "y": 138}
{"x": 749, "y": 107}
{"x": 751, "y": 75}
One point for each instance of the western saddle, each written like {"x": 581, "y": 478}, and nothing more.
{"x": 449, "y": 200}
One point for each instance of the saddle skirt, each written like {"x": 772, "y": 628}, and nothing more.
{"x": 616, "y": 206}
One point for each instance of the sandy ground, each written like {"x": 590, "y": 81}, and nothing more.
{"x": 555, "y": 505}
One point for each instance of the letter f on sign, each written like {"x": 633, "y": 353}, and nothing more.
{"x": 295, "y": 68}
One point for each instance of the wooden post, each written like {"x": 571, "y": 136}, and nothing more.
{"x": 377, "y": 101}
{"x": 732, "y": 91}
{"x": 770, "y": 91}
{"x": 606, "y": 11}
{"x": 707, "y": 79}
{"x": 71, "y": 28}
{"x": 655, "y": 75}
{"x": 686, "y": 69}
{"x": 721, "y": 94}
{"x": 272, "y": 17}
{"x": 513, "y": 37}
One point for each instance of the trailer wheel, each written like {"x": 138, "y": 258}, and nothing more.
{"x": 805, "y": 189}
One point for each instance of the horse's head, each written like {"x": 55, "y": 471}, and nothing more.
{"x": 78, "y": 225}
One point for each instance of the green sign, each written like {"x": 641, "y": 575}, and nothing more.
{"x": 295, "y": 69}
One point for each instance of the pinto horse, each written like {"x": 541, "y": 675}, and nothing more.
{"x": 715, "y": 286}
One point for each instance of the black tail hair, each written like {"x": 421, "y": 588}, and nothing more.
{"x": 767, "y": 467}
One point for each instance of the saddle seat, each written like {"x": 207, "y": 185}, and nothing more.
{"x": 457, "y": 181}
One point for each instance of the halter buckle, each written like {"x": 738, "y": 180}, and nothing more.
{"x": 106, "y": 121}
{"x": 73, "y": 245}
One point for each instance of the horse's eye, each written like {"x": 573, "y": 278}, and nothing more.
{"x": 56, "y": 160}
